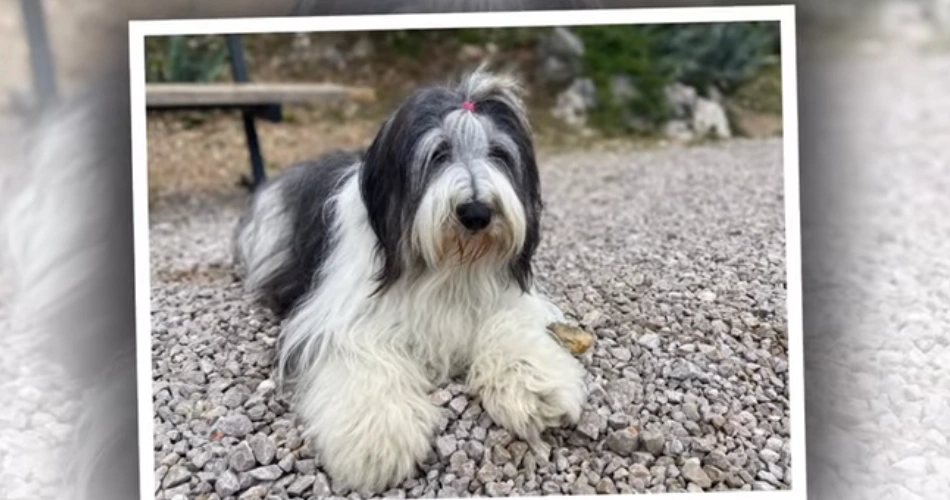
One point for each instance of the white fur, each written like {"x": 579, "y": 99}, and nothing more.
{"x": 370, "y": 360}
{"x": 262, "y": 242}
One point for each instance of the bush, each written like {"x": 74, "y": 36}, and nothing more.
{"x": 179, "y": 59}
{"x": 653, "y": 56}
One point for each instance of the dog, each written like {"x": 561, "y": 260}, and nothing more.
{"x": 407, "y": 264}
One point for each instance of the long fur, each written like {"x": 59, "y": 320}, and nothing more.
{"x": 388, "y": 294}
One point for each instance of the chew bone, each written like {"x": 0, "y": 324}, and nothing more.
{"x": 574, "y": 339}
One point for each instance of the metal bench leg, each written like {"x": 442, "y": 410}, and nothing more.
{"x": 254, "y": 148}
{"x": 239, "y": 72}
{"x": 44, "y": 76}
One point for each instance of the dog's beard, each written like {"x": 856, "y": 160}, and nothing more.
{"x": 444, "y": 243}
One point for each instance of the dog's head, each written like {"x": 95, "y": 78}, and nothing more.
{"x": 451, "y": 181}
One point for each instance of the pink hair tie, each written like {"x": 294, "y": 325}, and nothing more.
{"x": 469, "y": 105}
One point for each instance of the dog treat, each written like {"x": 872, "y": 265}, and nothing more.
{"x": 576, "y": 340}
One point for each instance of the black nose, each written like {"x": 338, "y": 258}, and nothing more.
{"x": 474, "y": 215}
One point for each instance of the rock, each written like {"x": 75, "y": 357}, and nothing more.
{"x": 649, "y": 340}
{"x": 488, "y": 473}
{"x": 267, "y": 473}
{"x": 446, "y": 446}
{"x": 321, "y": 486}
{"x": 605, "y": 487}
{"x": 582, "y": 487}
{"x": 498, "y": 489}
{"x": 622, "y": 89}
{"x": 682, "y": 98}
{"x": 300, "y": 485}
{"x": 591, "y": 424}
{"x": 710, "y": 119}
{"x": 441, "y": 397}
{"x": 573, "y": 103}
{"x": 264, "y": 448}
{"x": 287, "y": 463}
{"x": 618, "y": 421}
{"x": 237, "y": 425}
{"x": 691, "y": 411}
{"x": 623, "y": 442}
{"x": 678, "y": 131}
{"x": 652, "y": 441}
{"x": 235, "y": 396}
{"x": 241, "y": 458}
{"x": 362, "y": 49}
{"x": 693, "y": 471}
{"x": 458, "y": 404}
{"x": 769, "y": 456}
{"x": 175, "y": 476}
{"x": 227, "y": 484}
{"x": 707, "y": 296}
{"x": 561, "y": 56}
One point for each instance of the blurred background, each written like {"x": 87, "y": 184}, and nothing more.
{"x": 587, "y": 87}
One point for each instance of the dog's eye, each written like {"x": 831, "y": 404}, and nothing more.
{"x": 500, "y": 155}
{"x": 442, "y": 154}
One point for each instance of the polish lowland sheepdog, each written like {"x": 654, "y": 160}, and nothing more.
{"x": 407, "y": 264}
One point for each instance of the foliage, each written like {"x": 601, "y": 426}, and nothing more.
{"x": 721, "y": 54}
{"x": 185, "y": 59}
{"x": 653, "y": 56}
{"x": 623, "y": 50}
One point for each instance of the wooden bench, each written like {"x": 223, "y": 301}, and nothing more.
{"x": 253, "y": 100}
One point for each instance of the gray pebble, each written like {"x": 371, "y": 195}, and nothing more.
{"x": 300, "y": 485}
{"x": 693, "y": 471}
{"x": 623, "y": 442}
{"x": 241, "y": 458}
{"x": 446, "y": 446}
{"x": 237, "y": 425}
{"x": 227, "y": 484}
{"x": 264, "y": 448}
{"x": 175, "y": 476}
{"x": 267, "y": 473}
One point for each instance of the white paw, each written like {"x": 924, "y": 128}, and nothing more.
{"x": 532, "y": 395}
{"x": 378, "y": 449}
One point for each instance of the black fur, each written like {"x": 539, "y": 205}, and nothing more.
{"x": 305, "y": 189}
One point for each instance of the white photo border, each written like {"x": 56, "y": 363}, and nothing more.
{"x": 784, "y": 14}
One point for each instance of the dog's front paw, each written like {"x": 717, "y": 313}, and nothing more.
{"x": 377, "y": 449}
{"x": 534, "y": 394}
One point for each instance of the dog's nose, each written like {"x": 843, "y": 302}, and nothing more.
{"x": 474, "y": 215}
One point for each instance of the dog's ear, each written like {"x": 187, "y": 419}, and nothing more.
{"x": 501, "y": 104}
{"x": 530, "y": 190}
{"x": 384, "y": 187}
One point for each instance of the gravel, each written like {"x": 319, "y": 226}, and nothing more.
{"x": 674, "y": 257}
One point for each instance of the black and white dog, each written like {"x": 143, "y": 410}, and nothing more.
{"x": 407, "y": 264}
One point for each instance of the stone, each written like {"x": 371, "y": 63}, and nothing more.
{"x": 591, "y": 424}
{"x": 678, "y": 131}
{"x": 623, "y": 442}
{"x": 652, "y": 441}
{"x": 227, "y": 484}
{"x": 693, "y": 471}
{"x": 175, "y": 476}
{"x": 237, "y": 425}
{"x": 300, "y": 485}
{"x": 267, "y": 473}
{"x": 710, "y": 120}
{"x": 241, "y": 458}
{"x": 445, "y": 446}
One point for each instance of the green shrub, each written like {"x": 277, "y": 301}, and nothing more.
{"x": 725, "y": 55}
{"x": 653, "y": 56}
{"x": 185, "y": 59}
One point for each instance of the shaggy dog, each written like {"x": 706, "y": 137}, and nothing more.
{"x": 405, "y": 265}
